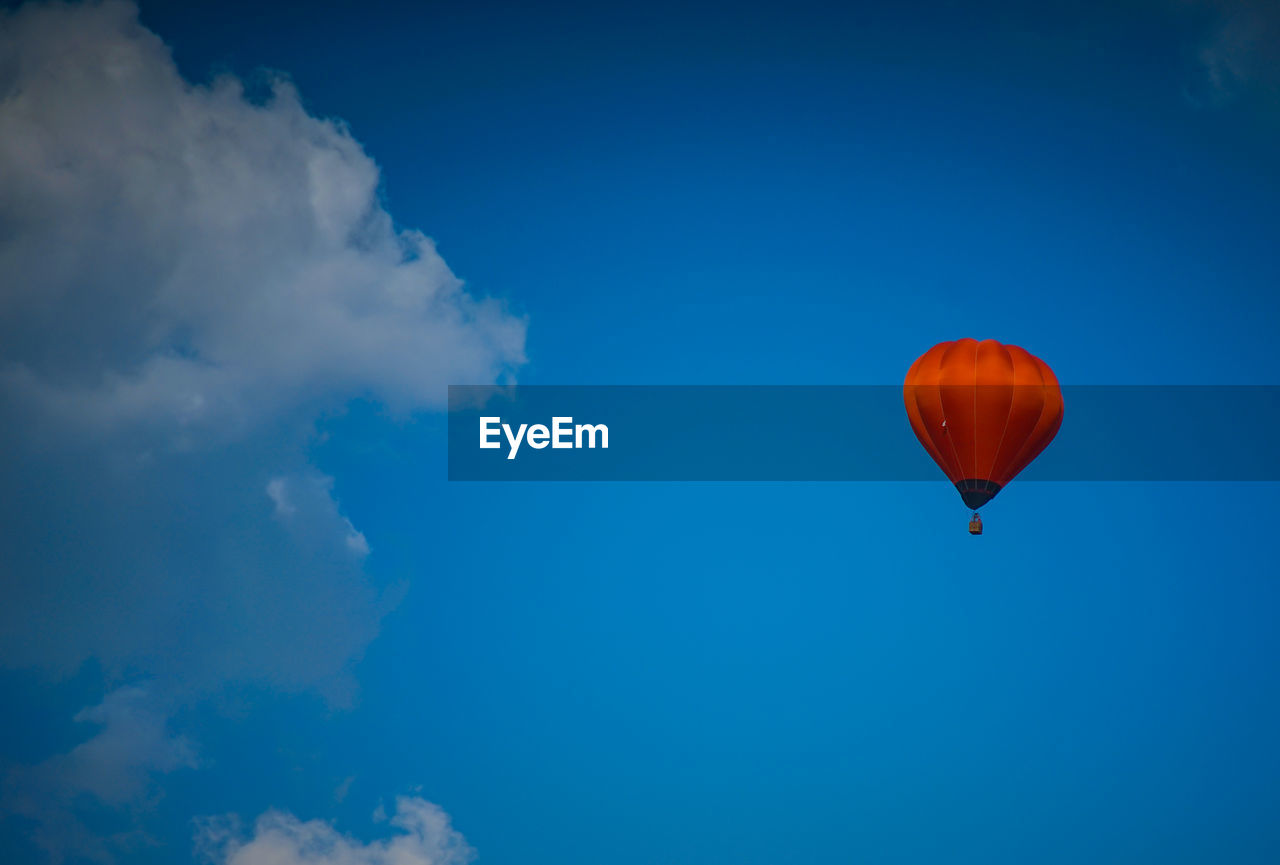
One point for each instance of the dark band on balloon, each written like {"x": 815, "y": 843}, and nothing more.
{"x": 977, "y": 492}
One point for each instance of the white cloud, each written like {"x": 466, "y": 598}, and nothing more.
{"x": 307, "y": 501}
{"x": 1242, "y": 54}
{"x": 278, "y": 493}
{"x": 134, "y": 741}
{"x": 116, "y": 767}
{"x": 186, "y": 570}
{"x": 425, "y": 837}
{"x": 190, "y": 277}
{"x": 355, "y": 540}
{"x": 178, "y": 256}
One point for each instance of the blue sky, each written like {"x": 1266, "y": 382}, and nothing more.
{"x": 298, "y": 615}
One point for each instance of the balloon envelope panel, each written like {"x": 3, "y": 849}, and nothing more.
{"x": 983, "y": 411}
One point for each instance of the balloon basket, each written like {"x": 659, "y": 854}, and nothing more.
{"x": 975, "y": 524}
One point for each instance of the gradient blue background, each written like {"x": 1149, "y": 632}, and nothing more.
{"x": 791, "y": 673}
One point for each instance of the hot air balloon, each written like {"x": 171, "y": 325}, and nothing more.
{"x": 983, "y": 411}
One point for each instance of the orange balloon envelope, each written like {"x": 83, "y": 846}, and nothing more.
{"x": 983, "y": 411}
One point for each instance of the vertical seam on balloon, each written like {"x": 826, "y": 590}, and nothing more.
{"x": 995, "y": 455}
{"x": 912, "y": 404}
{"x": 1013, "y": 467}
{"x": 934, "y": 451}
{"x": 950, "y": 438}
{"x": 976, "y": 438}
